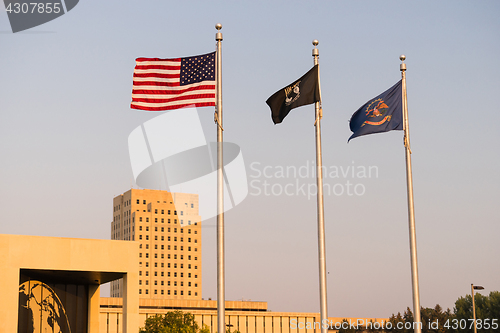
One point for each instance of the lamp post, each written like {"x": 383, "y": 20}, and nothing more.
{"x": 472, "y": 287}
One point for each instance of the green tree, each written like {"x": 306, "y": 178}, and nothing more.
{"x": 171, "y": 322}
{"x": 487, "y": 307}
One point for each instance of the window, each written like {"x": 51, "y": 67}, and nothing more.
{"x": 162, "y": 247}
{"x": 147, "y": 228}
{"x": 162, "y": 291}
{"x": 189, "y": 292}
{"x": 189, "y": 240}
{"x": 156, "y": 246}
{"x": 175, "y": 292}
{"x": 168, "y": 283}
{"x": 168, "y": 265}
{"x": 147, "y": 237}
{"x": 156, "y": 220}
{"x": 162, "y": 211}
{"x": 147, "y": 255}
{"x": 144, "y": 202}
{"x": 189, "y": 275}
{"x": 156, "y": 273}
{"x": 156, "y": 211}
{"x": 140, "y": 236}
{"x": 161, "y": 274}
{"x": 147, "y": 219}
{"x": 156, "y": 228}
{"x": 147, "y": 282}
{"x": 175, "y": 212}
{"x": 138, "y": 201}
{"x": 162, "y": 220}
{"x": 147, "y": 273}
{"x": 182, "y": 292}
{"x": 169, "y": 214}
{"x": 175, "y": 239}
{"x": 168, "y": 292}
{"x": 189, "y": 284}
{"x": 147, "y": 265}
{"x": 189, "y": 266}
{"x": 182, "y": 212}
{"x": 140, "y": 290}
{"x": 162, "y": 229}
{"x": 168, "y": 220}
{"x": 175, "y": 274}
{"x": 140, "y": 255}
{"x": 189, "y": 257}
{"x": 140, "y": 219}
{"x": 189, "y": 231}
{"x": 156, "y": 255}
{"x": 147, "y": 292}
{"x": 192, "y": 206}
{"x": 140, "y": 273}
{"x": 155, "y": 291}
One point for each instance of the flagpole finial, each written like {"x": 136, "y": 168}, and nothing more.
{"x": 402, "y": 66}
{"x": 402, "y": 57}
{"x": 315, "y": 52}
{"x": 218, "y": 35}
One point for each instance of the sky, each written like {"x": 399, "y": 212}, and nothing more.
{"x": 65, "y": 92}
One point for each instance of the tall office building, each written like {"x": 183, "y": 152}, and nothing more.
{"x": 167, "y": 227}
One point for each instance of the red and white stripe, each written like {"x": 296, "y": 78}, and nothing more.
{"x": 157, "y": 87}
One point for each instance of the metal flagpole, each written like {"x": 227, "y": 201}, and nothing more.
{"x": 221, "y": 315}
{"x": 321, "y": 217}
{"x": 411, "y": 212}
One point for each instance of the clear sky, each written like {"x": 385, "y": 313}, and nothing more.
{"x": 65, "y": 91}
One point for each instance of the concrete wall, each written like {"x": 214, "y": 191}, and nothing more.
{"x": 98, "y": 259}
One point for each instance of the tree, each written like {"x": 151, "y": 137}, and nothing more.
{"x": 171, "y": 322}
{"x": 487, "y": 307}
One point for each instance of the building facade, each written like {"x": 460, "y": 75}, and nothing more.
{"x": 167, "y": 227}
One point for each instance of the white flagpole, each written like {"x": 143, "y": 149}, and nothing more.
{"x": 221, "y": 315}
{"x": 411, "y": 212}
{"x": 321, "y": 218}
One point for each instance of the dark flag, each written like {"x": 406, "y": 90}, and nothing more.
{"x": 383, "y": 113}
{"x": 301, "y": 92}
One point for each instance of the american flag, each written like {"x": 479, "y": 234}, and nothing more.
{"x": 166, "y": 84}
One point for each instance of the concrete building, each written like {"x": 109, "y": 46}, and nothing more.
{"x": 52, "y": 284}
{"x": 167, "y": 228}
{"x": 243, "y": 316}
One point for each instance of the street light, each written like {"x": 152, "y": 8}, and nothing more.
{"x": 472, "y": 287}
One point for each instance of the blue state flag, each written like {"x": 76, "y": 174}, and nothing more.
{"x": 383, "y": 113}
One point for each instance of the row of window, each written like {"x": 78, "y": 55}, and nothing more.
{"x": 169, "y": 247}
{"x": 168, "y": 265}
{"x": 168, "y": 274}
{"x": 181, "y": 257}
{"x": 162, "y": 229}
{"x": 168, "y": 292}
{"x": 163, "y": 221}
{"x": 181, "y": 283}
{"x": 168, "y": 238}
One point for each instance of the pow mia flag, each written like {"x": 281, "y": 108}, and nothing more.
{"x": 301, "y": 92}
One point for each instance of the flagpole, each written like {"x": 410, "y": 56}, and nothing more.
{"x": 221, "y": 315}
{"x": 411, "y": 211}
{"x": 321, "y": 217}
